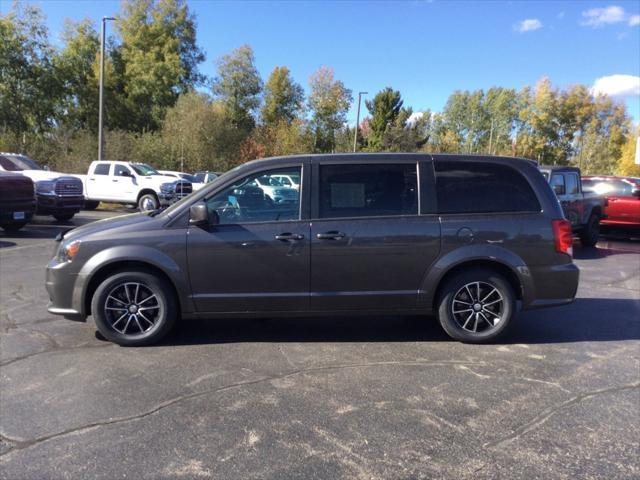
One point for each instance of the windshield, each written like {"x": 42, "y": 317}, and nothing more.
{"x": 144, "y": 169}
{"x": 16, "y": 163}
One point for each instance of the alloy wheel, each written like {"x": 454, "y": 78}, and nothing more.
{"x": 478, "y": 307}
{"x": 132, "y": 308}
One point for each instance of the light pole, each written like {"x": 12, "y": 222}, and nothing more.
{"x": 355, "y": 135}
{"x": 100, "y": 106}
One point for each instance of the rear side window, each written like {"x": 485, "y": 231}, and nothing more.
{"x": 465, "y": 187}
{"x": 102, "y": 169}
{"x": 368, "y": 190}
{"x": 557, "y": 184}
{"x": 572, "y": 184}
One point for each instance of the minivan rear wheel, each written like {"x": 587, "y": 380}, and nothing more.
{"x": 134, "y": 308}
{"x": 476, "y": 306}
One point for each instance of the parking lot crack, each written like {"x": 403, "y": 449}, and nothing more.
{"x": 55, "y": 349}
{"x": 547, "y": 413}
{"x": 24, "y": 444}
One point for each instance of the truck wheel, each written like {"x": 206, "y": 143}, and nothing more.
{"x": 147, "y": 202}
{"x": 134, "y": 308}
{"x": 64, "y": 217}
{"x": 591, "y": 231}
{"x": 476, "y": 306}
{"x": 91, "y": 205}
{"x": 12, "y": 227}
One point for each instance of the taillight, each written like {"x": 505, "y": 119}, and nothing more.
{"x": 563, "y": 236}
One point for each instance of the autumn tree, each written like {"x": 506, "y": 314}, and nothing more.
{"x": 329, "y": 101}
{"x": 626, "y": 164}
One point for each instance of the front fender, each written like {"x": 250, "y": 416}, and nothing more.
{"x": 484, "y": 253}
{"x": 132, "y": 253}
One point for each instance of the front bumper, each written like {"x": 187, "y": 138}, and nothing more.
{"x": 58, "y": 204}
{"x": 17, "y": 212}
{"x": 169, "y": 198}
{"x": 64, "y": 298}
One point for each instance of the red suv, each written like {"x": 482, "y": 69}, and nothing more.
{"x": 623, "y": 193}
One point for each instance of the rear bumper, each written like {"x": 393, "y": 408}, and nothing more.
{"x": 54, "y": 204}
{"x": 554, "y": 285}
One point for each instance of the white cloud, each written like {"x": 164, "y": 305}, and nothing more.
{"x": 528, "y": 25}
{"x": 634, "y": 20}
{"x": 617, "y": 86}
{"x": 560, "y": 15}
{"x": 597, "y": 17}
{"x": 414, "y": 117}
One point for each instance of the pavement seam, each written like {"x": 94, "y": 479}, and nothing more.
{"x": 547, "y": 413}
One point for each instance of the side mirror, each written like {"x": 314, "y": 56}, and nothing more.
{"x": 198, "y": 215}
{"x": 125, "y": 173}
{"x": 636, "y": 192}
{"x": 558, "y": 189}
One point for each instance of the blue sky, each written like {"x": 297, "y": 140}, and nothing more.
{"x": 425, "y": 49}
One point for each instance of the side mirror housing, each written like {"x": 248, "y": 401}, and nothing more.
{"x": 636, "y": 192}
{"x": 558, "y": 189}
{"x": 198, "y": 215}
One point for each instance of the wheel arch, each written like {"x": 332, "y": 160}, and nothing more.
{"x": 146, "y": 191}
{"x": 503, "y": 261}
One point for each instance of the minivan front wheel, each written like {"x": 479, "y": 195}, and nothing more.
{"x": 134, "y": 308}
{"x": 476, "y": 306}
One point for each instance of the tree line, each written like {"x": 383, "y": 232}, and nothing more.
{"x": 161, "y": 110}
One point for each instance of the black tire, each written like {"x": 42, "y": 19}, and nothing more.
{"x": 12, "y": 227}
{"x": 91, "y": 204}
{"x": 591, "y": 231}
{"x": 455, "y": 289}
{"x": 109, "y": 303}
{"x": 148, "y": 202}
{"x": 64, "y": 217}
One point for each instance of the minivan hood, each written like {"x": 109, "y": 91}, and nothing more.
{"x": 110, "y": 224}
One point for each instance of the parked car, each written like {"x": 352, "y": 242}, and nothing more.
{"x": 131, "y": 184}
{"x": 584, "y": 210}
{"x": 17, "y": 201}
{"x": 275, "y": 190}
{"x": 196, "y": 185}
{"x": 58, "y": 195}
{"x": 623, "y": 199}
{"x": 206, "y": 176}
{"x": 468, "y": 238}
{"x": 290, "y": 181}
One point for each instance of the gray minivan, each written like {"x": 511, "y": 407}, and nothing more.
{"x": 469, "y": 238}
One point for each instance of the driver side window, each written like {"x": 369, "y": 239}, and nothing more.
{"x": 259, "y": 197}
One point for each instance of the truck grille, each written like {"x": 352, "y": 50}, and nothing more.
{"x": 16, "y": 187}
{"x": 68, "y": 187}
{"x": 183, "y": 189}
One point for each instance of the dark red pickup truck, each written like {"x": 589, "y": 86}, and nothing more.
{"x": 623, "y": 193}
{"x": 17, "y": 201}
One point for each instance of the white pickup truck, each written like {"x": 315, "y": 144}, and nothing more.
{"x": 132, "y": 184}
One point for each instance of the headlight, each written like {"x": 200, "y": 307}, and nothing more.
{"x": 68, "y": 251}
{"x": 46, "y": 187}
{"x": 167, "y": 187}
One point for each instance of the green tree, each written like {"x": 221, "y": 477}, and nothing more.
{"x": 626, "y": 163}
{"x": 29, "y": 89}
{"x": 329, "y": 101}
{"x": 159, "y": 55}
{"x": 76, "y": 65}
{"x": 384, "y": 109}
{"x": 283, "y": 98}
{"x": 238, "y": 86}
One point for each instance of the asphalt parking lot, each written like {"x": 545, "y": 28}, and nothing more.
{"x": 388, "y": 398}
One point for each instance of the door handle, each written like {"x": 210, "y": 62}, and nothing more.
{"x": 92, "y": 179}
{"x": 286, "y": 237}
{"x": 330, "y": 236}
{"x": 114, "y": 180}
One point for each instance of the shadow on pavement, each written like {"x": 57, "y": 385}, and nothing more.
{"x": 586, "y": 320}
